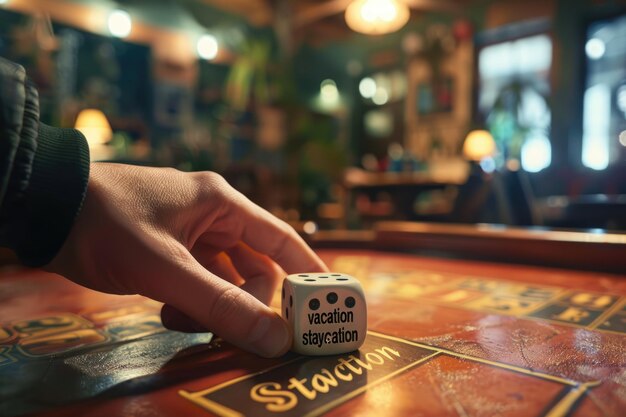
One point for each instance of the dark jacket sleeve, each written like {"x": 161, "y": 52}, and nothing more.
{"x": 43, "y": 173}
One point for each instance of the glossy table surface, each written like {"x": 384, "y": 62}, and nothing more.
{"x": 447, "y": 338}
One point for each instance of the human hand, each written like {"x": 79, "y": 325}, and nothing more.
{"x": 190, "y": 241}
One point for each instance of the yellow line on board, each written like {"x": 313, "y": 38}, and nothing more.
{"x": 565, "y": 405}
{"x": 609, "y": 312}
{"x": 352, "y": 394}
{"x": 233, "y": 381}
{"x": 211, "y": 405}
{"x": 554, "y": 298}
{"x": 486, "y": 361}
{"x": 561, "y": 409}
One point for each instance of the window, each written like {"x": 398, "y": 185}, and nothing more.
{"x": 512, "y": 98}
{"x": 604, "y": 101}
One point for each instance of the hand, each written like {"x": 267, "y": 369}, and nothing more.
{"x": 190, "y": 241}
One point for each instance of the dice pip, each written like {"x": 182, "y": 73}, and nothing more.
{"x": 326, "y": 311}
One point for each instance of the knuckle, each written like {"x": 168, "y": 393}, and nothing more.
{"x": 227, "y": 304}
{"x": 210, "y": 185}
{"x": 210, "y": 179}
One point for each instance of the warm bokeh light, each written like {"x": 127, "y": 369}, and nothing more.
{"x": 329, "y": 91}
{"x": 120, "y": 24}
{"x": 367, "y": 87}
{"x": 376, "y": 17}
{"x": 329, "y": 99}
{"x": 94, "y": 125}
{"x": 309, "y": 227}
{"x": 207, "y": 47}
{"x": 381, "y": 96}
{"x": 479, "y": 144}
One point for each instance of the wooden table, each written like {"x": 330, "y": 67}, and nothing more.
{"x": 448, "y": 337}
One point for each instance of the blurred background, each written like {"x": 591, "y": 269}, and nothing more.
{"x": 338, "y": 114}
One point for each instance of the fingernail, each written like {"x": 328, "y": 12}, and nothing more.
{"x": 270, "y": 337}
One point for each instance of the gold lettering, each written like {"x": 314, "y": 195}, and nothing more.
{"x": 370, "y": 358}
{"x": 48, "y": 325}
{"x": 277, "y": 400}
{"x": 61, "y": 342}
{"x": 5, "y": 336}
{"x": 386, "y": 349}
{"x": 572, "y": 314}
{"x": 586, "y": 299}
{"x": 4, "y": 355}
{"x": 342, "y": 376}
{"x": 299, "y": 385}
{"x": 346, "y": 363}
{"x": 322, "y": 383}
{"x": 361, "y": 363}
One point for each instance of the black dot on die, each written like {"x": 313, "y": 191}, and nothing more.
{"x": 335, "y": 275}
{"x": 303, "y": 275}
{"x": 290, "y": 301}
{"x": 342, "y": 279}
{"x": 322, "y": 276}
{"x": 350, "y": 302}
{"x": 314, "y": 304}
{"x": 286, "y": 312}
{"x": 331, "y": 297}
{"x": 310, "y": 280}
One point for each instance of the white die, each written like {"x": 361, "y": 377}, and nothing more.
{"x": 326, "y": 311}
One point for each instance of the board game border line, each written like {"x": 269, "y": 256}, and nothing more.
{"x": 531, "y": 318}
{"x": 452, "y": 278}
{"x": 609, "y": 312}
{"x": 620, "y": 300}
{"x": 562, "y": 407}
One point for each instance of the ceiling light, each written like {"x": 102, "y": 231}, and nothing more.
{"x": 207, "y": 47}
{"x": 120, "y": 23}
{"x": 376, "y": 17}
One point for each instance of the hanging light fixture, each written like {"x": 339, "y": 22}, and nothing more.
{"x": 377, "y": 17}
{"x": 479, "y": 144}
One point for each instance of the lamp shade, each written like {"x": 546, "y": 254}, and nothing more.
{"x": 478, "y": 144}
{"x": 376, "y": 17}
{"x": 94, "y": 125}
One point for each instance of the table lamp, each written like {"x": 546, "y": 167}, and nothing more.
{"x": 479, "y": 144}
{"x": 94, "y": 125}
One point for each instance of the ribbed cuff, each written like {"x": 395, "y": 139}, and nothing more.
{"x": 56, "y": 192}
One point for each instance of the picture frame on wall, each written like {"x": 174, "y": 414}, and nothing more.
{"x": 435, "y": 97}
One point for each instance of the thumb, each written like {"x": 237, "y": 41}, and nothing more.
{"x": 217, "y": 305}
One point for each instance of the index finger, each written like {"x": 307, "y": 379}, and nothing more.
{"x": 267, "y": 234}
